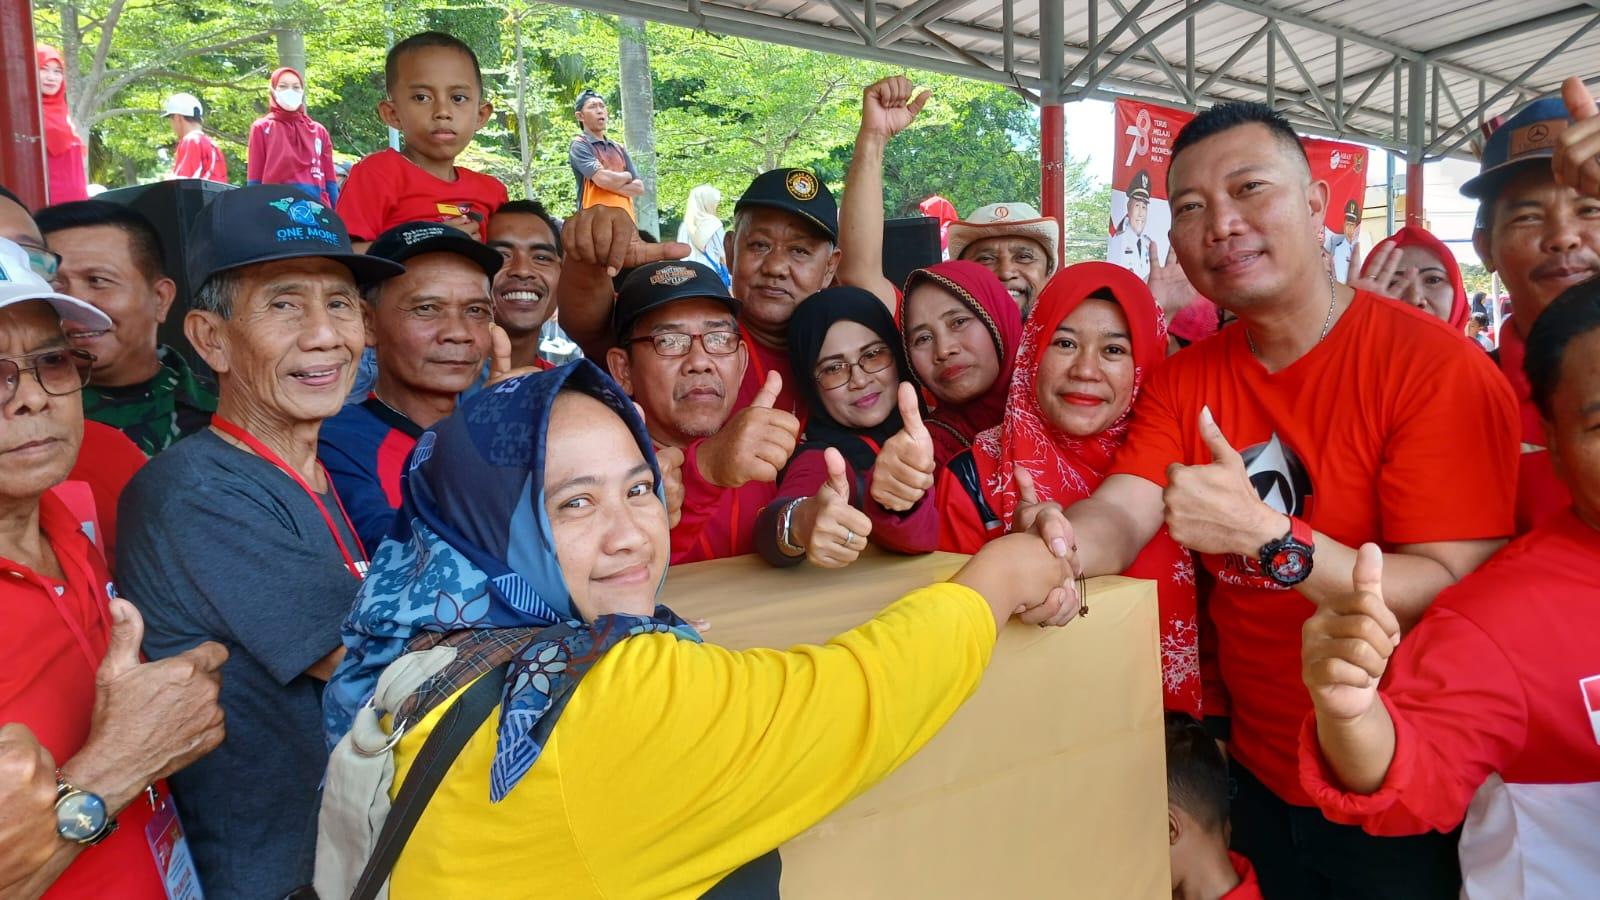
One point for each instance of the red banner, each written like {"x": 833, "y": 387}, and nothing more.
{"x": 1144, "y": 136}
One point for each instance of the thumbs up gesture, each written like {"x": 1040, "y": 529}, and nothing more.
{"x": 1577, "y": 159}
{"x": 150, "y": 718}
{"x": 1345, "y": 647}
{"x": 838, "y": 531}
{"x": 670, "y": 459}
{"x": 1214, "y": 508}
{"x": 753, "y": 445}
{"x": 904, "y": 470}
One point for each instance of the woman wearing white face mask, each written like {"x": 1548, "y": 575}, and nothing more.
{"x": 287, "y": 146}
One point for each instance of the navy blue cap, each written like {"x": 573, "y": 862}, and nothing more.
{"x": 270, "y": 222}
{"x": 797, "y": 191}
{"x": 1527, "y": 136}
{"x": 656, "y": 284}
{"x": 412, "y": 239}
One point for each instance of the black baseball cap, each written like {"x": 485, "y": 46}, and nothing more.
{"x": 270, "y": 222}
{"x": 1139, "y": 187}
{"x": 585, "y": 97}
{"x": 657, "y": 284}
{"x": 797, "y": 191}
{"x": 413, "y": 239}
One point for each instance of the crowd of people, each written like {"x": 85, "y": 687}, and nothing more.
{"x": 371, "y": 596}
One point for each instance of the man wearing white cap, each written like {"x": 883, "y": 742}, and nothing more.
{"x": 1015, "y": 242}
{"x": 196, "y": 155}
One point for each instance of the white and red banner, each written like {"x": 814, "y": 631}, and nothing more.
{"x": 1144, "y": 136}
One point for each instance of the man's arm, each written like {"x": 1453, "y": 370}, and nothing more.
{"x": 887, "y": 107}
{"x": 615, "y": 182}
{"x": 599, "y": 242}
{"x": 1114, "y": 523}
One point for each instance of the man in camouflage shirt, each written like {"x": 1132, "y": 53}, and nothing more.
{"x": 111, "y": 257}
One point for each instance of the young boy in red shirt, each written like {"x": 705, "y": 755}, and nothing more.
{"x": 1197, "y": 818}
{"x": 435, "y": 100}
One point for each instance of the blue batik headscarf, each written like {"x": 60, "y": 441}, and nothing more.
{"x": 471, "y": 548}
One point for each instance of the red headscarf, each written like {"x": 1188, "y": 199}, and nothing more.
{"x": 1413, "y": 236}
{"x": 299, "y": 132}
{"x": 1064, "y": 468}
{"x": 937, "y": 207}
{"x": 1067, "y": 468}
{"x": 59, "y": 136}
{"x": 956, "y": 425}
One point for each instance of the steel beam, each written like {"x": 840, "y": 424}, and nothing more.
{"x": 1233, "y": 58}
{"x": 1311, "y": 83}
{"x": 850, "y": 19}
{"x": 1052, "y": 124}
{"x": 1144, "y": 39}
{"x": 1416, "y": 84}
{"x": 920, "y": 13}
{"x": 22, "y": 155}
{"x": 1509, "y": 31}
{"x": 1096, "y": 48}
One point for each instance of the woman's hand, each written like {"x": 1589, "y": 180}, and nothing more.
{"x": 1019, "y": 576}
{"x": 1379, "y": 271}
{"x": 904, "y": 470}
{"x": 833, "y": 532}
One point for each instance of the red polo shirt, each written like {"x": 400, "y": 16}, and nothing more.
{"x": 55, "y": 636}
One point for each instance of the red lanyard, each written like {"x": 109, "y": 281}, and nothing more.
{"x": 359, "y": 570}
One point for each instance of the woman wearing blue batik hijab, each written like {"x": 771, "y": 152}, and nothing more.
{"x": 627, "y": 758}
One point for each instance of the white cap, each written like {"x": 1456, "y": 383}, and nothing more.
{"x": 19, "y": 283}
{"x": 181, "y": 104}
{"x": 999, "y": 219}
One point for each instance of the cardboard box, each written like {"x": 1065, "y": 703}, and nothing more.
{"x": 1049, "y": 782}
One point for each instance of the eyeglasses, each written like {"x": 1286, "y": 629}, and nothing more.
{"x": 44, "y": 263}
{"x": 836, "y": 374}
{"x": 60, "y": 372}
{"x": 676, "y": 343}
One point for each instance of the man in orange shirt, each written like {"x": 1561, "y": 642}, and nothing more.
{"x": 1355, "y": 418}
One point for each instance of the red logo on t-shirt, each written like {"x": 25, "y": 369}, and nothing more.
{"x": 1282, "y": 482}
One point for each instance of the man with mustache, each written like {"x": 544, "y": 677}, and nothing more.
{"x": 782, "y": 249}
{"x": 1325, "y": 418}
{"x": 528, "y": 240}
{"x": 681, "y": 357}
{"x": 430, "y": 328}
{"x": 1542, "y": 237}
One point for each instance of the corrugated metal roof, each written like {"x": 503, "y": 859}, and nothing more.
{"x": 1330, "y": 65}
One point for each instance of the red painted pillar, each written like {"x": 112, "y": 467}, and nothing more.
{"x": 1052, "y": 187}
{"x": 21, "y": 122}
{"x": 1414, "y": 214}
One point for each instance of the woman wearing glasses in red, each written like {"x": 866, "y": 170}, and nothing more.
{"x": 847, "y": 356}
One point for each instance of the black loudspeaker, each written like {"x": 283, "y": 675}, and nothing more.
{"x": 909, "y": 244}
{"x": 171, "y": 206}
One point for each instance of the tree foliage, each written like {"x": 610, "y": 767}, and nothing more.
{"x": 726, "y": 108}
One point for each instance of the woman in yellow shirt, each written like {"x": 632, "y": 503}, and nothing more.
{"x": 533, "y": 535}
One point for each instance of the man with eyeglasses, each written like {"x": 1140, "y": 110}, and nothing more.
{"x": 681, "y": 357}
{"x": 109, "y": 726}
{"x": 18, "y": 227}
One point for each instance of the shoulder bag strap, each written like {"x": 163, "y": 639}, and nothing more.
{"x": 457, "y": 726}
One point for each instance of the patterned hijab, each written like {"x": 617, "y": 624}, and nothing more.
{"x": 808, "y": 329}
{"x": 472, "y": 548}
{"x": 955, "y": 425}
{"x": 1064, "y": 468}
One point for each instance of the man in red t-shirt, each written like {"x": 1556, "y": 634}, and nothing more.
{"x": 782, "y": 249}
{"x": 681, "y": 357}
{"x": 1540, "y": 236}
{"x": 1323, "y": 419}
{"x": 109, "y": 725}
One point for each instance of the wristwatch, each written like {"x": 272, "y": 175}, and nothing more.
{"x": 81, "y": 816}
{"x": 785, "y": 530}
{"x": 1287, "y": 560}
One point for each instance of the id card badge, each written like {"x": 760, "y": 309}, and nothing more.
{"x": 170, "y": 848}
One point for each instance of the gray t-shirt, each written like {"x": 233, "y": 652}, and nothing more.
{"x": 216, "y": 544}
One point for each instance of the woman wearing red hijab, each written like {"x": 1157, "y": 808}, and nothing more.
{"x": 961, "y": 331}
{"x": 289, "y": 147}
{"x": 65, "y": 157}
{"x": 1413, "y": 266}
{"x": 1090, "y": 342}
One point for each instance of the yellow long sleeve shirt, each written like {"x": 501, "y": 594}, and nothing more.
{"x": 675, "y": 762}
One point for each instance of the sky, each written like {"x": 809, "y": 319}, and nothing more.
{"x": 1089, "y": 137}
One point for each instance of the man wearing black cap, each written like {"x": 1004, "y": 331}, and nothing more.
{"x": 236, "y": 534}
{"x": 431, "y": 328}
{"x": 1342, "y": 247}
{"x": 1541, "y": 237}
{"x": 605, "y": 173}
{"x": 783, "y": 248}
{"x": 1130, "y": 247}
{"x": 681, "y": 357}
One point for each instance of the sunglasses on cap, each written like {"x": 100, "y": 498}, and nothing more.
{"x": 44, "y": 263}
{"x": 60, "y": 372}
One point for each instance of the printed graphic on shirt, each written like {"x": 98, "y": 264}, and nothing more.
{"x": 1591, "y": 699}
{"x": 1283, "y": 483}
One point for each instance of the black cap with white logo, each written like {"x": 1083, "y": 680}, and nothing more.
{"x": 797, "y": 191}
{"x": 657, "y": 284}
{"x": 412, "y": 239}
{"x": 270, "y": 222}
